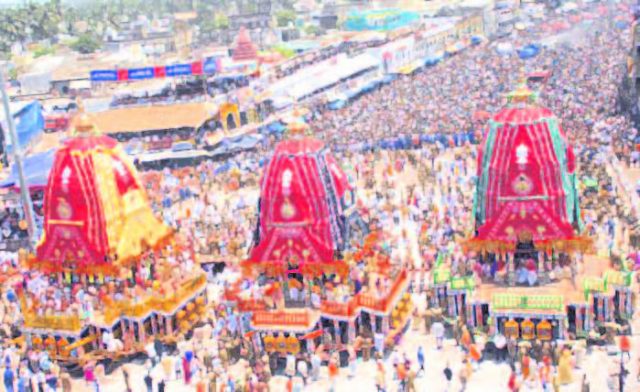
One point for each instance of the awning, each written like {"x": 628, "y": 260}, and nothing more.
{"x": 29, "y": 123}
{"x": 341, "y": 70}
{"x": 477, "y": 39}
{"x": 36, "y": 171}
{"x": 80, "y": 84}
{"x": 410, "y": 68}
{"x": 434, "y": 58}
{"x": 455, "y": 48}
{"x": 504, "y": 48}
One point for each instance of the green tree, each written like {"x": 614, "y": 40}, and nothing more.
{"x": 221, "y": 21}
{"x": 311, "y": 30}
{"x": 284, "y": 17}
{"x": 43, "y": 51}
{"x": 86, "y": 43}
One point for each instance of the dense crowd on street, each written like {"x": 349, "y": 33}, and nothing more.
{"x": 425, "y": 193}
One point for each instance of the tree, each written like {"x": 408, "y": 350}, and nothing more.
{"x": 221, "y": 21}
{"x": 43, "y": 51}
{"x": 284, "y": 17}
{"x": 311, "y": 30}
{"x": 86, "y": 43}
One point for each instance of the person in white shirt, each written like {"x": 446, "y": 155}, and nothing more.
{"x": 290, "y": 368}
{"x": 302, "y": 368}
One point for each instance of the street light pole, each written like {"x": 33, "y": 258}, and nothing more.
{"x": 27, "y": 204}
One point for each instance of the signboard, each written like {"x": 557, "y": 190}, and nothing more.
{"x": 140, "y": 73}
{"x": 464, "y": 283}
{"x": 104, "y": 75}
{"x": 617, "y": 278}
{"x": 527, "y": 302}
{"x": 208, "y": 66}
{"x": 441, "y": 275}
{"x": 178, "y": 69}
{"x": 594, "y": 284}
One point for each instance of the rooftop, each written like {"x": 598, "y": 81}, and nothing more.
{"x": 149, "y": 118}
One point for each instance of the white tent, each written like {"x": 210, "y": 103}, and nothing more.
{"x": 342, "y": 69}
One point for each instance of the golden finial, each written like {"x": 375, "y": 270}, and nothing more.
{"x": 298, "y": 128}
{"x": 522, "y": 94}
{"x": 296, "y": 115}
{"x": 82, "y": 123}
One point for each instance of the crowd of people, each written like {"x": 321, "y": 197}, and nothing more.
{"x": 423, "y": 193}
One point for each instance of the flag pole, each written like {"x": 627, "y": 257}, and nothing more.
{"x": 27, "y": 204}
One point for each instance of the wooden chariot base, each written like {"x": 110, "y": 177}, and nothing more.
{"x": 132, "y": 324}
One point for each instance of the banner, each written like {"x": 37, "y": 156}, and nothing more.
{"x": 104, "y": 76}
{"x": 178, "y": 69}
{"x": 207, "y": 66}
{"x": 140, "y": 73}
{"x": 210, "y": 65}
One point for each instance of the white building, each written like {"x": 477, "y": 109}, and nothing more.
{"x": 487, "y": 9}
{"x": 506, "y": 16}
{"x": 395, "y": 54}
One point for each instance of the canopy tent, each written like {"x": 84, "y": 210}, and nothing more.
{"x": 344, "y": 69}
{"x": 36, "y": 171}
{"x": 526, "y": 188}
{"x": 29, "y": 123}
{"x": 621, "y": 24}
{"x": 455, "y": 48}
{"x": 529, "y": 51}
{"x": 410, "y": 68}
{"x": 504, "y": 48}
{"x": 240, "y": 143}
{"x": 434, "y": 58}
{"x": 316, "y": 77}
{"x": 568, "y": 7}
{"x": 276, "y": 127}
{"x": 340, "y": 100}
{"x": 477, "y": 39}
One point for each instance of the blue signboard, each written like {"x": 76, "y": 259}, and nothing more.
{"x": 141, "y": 73}
{"x": 178, "y": 69}
{"x": 210, "y": 65}
{"x": 104, "y": 75}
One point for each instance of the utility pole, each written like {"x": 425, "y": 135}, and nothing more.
{"x": 27, "y": 205}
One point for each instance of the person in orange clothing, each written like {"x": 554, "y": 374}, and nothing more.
{"x": 289, "y": 385}
{"x": 625, "y": 345}
{"x": 401, "y": 372}
{"x": 465, "y": 338}
{"x": 545, "y": 371}
{"x": 526, "y": 366}
{"x": 333, "y": 374}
